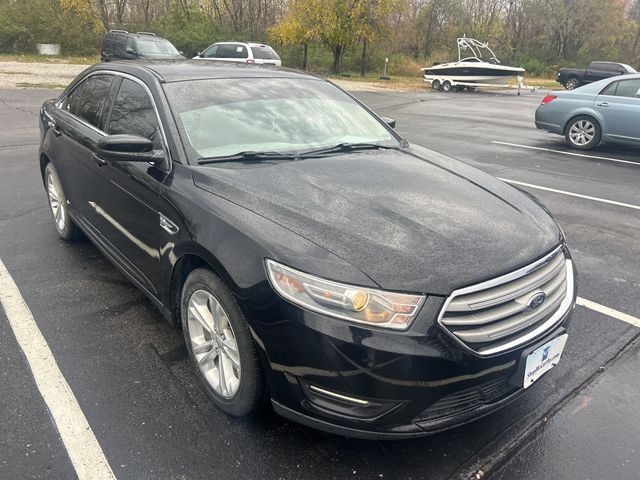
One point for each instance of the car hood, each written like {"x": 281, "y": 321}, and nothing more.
{"x": 412, "y": 220}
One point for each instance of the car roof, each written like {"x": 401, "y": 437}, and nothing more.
{"x": 168, "y": 71}
{"x": 250, "y": 44}
{"x": 149, "y": 35}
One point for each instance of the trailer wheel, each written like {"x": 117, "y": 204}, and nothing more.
{"x": 435, "y": 84}
{"x": 446, "y": 86}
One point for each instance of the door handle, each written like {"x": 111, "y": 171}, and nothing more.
{"x": 53, "y": 128}
{"x": 101, "y": 162}
{"x": 602, "y": 104}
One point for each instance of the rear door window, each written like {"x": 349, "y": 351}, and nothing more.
{"x": 610, "y": 89}
{"x": 93, "y": 99}
{"x": 133, "y": 113}
{"x": 73, "y": 100}
{"x": 232, "y": 51}
{"x": 628, "y": 88}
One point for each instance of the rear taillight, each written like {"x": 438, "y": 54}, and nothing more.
{"x": 548, "y": 98}
{"x": 250, "y": 60}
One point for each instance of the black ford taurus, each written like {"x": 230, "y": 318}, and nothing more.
{"x": 313, "y": 258}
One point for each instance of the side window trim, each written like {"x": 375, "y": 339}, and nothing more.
{"x": 115, "y": 86}
{"x": 165, "y": 144}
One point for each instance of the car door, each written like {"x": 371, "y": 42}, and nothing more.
{"x": 619, "y": 107}
{"x": 130, "y": 211}
{"x": 77, "y": 127}
{"x": 597, "y": 71}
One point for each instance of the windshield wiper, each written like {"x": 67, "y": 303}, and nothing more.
{"x": 346, "y": 147}
{"x": 247, "y": 155}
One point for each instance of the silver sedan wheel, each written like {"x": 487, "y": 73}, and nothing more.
{"x": 56, "y": 200}
{"x": 213, "y": 343}
{"x": 582, "y": 132}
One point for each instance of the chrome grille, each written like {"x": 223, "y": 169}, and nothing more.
{"x": 498, "y": 315}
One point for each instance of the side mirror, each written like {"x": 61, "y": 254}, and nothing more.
{"x": 128, "y": 148}
{"x": 130, "y": 53}
{"x": 389, "y": 121}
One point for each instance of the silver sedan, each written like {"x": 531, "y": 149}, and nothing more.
{"x": 605, "y": 111}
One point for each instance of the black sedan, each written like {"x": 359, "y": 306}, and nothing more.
{"x": 313, "y": 258}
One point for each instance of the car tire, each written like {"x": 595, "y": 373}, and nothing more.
{"x": 66, "y": 228}
{"x": 583, "y": 132}
{"x": 571, "y": 84}
{"x": 436, "y": 84}
{"x": 220, "y": 345}
{"x": 446, "y": 86}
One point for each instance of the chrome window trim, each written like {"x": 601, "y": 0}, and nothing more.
{"x": 165, "y": 144}
{"x": 564, "y": 307}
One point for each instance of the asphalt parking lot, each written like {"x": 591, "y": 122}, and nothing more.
{"x": 129, "y": 371}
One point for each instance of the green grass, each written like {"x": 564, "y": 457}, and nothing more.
{"x": 16, "y": 72}
{"x": 33, "y": 58}
{"x": 40, "y": 85}
{"x": 549, "y": 83}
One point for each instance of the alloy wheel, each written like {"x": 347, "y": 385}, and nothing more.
{"x": 56, "y": 200}
{"x": 213, "y": 343}
{"x": 571, "y": 84}
{"x": 582, "y": 132}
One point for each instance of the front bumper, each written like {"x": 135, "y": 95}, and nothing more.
{"x": 341, "y": 378}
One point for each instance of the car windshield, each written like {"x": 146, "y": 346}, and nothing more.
{"x": 264, "y": 52}
{"x": 156, "y": 46}
{"x": 224, "y": 117}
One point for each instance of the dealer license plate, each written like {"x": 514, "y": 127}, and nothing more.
{"x": 543, "y": 359}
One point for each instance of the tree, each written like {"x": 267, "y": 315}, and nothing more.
{"x": 338, "y": 24}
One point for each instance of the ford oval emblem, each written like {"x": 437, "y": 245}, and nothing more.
{"x": 537, "y": 300}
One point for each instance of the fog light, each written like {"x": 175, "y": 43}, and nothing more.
{"x": 331, "y": 402}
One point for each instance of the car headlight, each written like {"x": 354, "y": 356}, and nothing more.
{"x": 355, "y": 304}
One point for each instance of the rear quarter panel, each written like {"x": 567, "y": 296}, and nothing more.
{"x": 554, "y": 115}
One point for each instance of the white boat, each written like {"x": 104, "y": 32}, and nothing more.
{"x": 473, "y": 70}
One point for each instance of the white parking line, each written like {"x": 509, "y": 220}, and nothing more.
{"x": 571, "y": 194}
{"x": 84, "y": 451}
{"x": 608, "y": 311}
{"x": 574, "y": 154}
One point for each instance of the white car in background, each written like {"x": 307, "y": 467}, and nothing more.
{"x": 241, "y": 52}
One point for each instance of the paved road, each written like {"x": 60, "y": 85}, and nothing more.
{"x": 129, "y": 371}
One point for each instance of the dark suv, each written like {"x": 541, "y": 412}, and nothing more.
{"x": 122, "y": 45}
